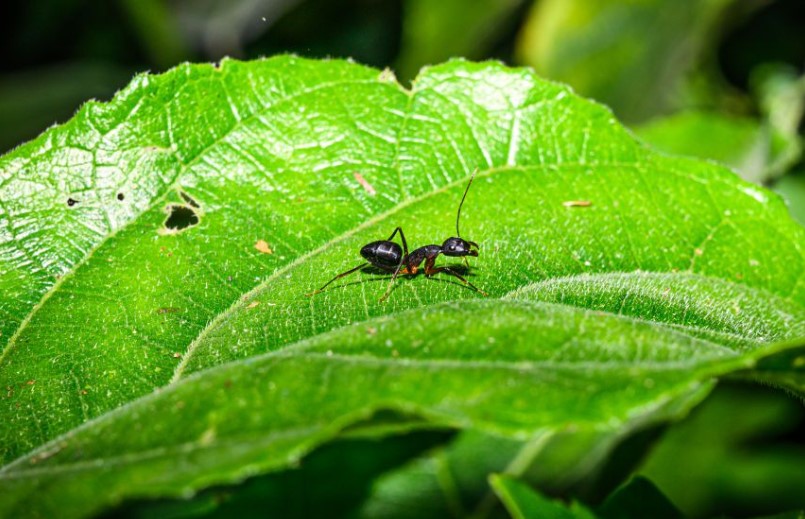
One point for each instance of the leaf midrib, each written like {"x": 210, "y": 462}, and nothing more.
{"x": 237, "y": 303}
{"x": 177, "y": 374}
{"x": 246, "y": 296}
{"x": 8, "y": 471}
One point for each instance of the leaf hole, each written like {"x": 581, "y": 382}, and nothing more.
{"x": 180, "y": 217}
{"x": 71, "y": 202}
{"x": 189, "y": 199}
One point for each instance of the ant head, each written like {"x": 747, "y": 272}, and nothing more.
{"x": 459, "y": 247}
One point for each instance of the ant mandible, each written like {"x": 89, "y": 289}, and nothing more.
{"x": 389, "y": 256}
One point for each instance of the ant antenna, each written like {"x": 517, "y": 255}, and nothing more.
{"x": 458, "y": 214}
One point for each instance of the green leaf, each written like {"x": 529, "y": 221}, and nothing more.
{"x": 792, "y": 188}
{"x": 760, "y": 150}
{"x": 149, "y": 362}
{"x": 782, "y": 98}
{"x": 453, "y": 480}
{"x": 739, "y": 142}
{"x": 264, "y": 413}
{"x": 449, "y": 481}
{"x": 634, "y": 56}
{"x": 523, "y": 502}
{"x": 636, "y": 499}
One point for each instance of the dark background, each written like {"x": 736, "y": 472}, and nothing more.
{"x": 59, "y": 53}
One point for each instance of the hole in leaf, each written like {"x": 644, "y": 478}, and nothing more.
{"x": 71, "y": 202}
{"x": 189, "y": 199}
{"x": 180, "y": 217}
{"x": 120, "y": 196}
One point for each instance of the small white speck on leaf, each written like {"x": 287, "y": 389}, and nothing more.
{"x": 577, "y": 203}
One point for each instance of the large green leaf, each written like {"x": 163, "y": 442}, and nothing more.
{"x": 600, "y": 315}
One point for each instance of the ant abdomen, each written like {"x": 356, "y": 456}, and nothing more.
{"x": 382, "y": 253}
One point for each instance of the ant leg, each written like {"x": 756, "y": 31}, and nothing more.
{"x": 402, "y": 236}
{"x": 431, "y": 271}
{"x": 348, "y": 272}
{"x": 391, "y": 283}
{"x": 399, "y": 266}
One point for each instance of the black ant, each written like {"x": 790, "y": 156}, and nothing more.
{"x": 389, "y": 256}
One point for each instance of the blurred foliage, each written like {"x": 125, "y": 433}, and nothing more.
{"x": 307, "y": 491}
{"x": 792, "y": 188}
{"x": 739, "y": 142}
{"x": 436, "y": 31}
{"x": 630, "y": 55}
{"x": 740, "y": 453}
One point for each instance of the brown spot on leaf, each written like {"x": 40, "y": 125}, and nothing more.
{"x": 364, "y": 184}
{"x": 263, "y": 247}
